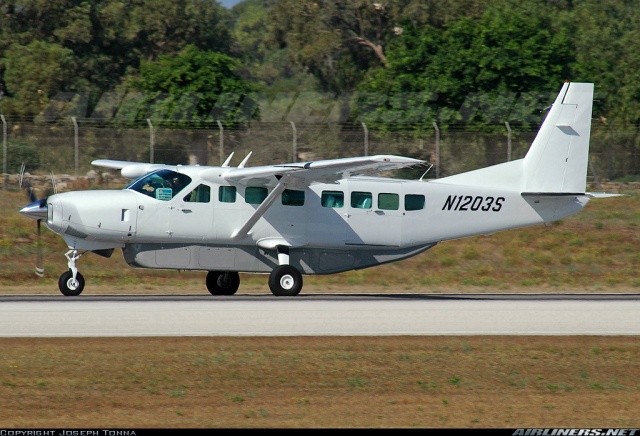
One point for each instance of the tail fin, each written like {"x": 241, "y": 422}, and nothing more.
{"x": 556, "y": 162}
{"x": 558, "y": 158}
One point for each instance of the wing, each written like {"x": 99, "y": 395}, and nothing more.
{"x": 130, "y": 170}
{"x": 300, "y": 175}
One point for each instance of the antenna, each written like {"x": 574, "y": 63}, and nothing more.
{"x": 226, "y": 162}
{"x": 244, "y": 161}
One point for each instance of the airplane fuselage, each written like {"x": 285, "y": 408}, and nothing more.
{"x": 355, "y": 223}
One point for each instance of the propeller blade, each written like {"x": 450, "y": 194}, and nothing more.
{"x": 37, "y": 210}
{"x": 54, "y": 188}
{"x": 39, "y": 263}
{"x": 26, "y": 184}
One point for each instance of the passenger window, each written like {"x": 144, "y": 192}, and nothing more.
{"x": 202, "y": 194}
{"x": 227, "y": 194}
{"x": 292, "y": 197}
{"x": 361, "y": 200}
{"x": 255, "y": 194}
{"x": 332, "y": 199}
{"x": 388, "y": 201}
{"x": 413, "y": 202}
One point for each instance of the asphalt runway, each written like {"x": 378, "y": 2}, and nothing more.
{"x": 317, "y": 314}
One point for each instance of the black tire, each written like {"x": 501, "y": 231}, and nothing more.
{"x": 285, "y": 281}
{"x": 223, "y": 282}
{"x": 66, "y": 285}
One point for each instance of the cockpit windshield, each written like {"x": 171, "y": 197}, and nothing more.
{"x": 162, "y": 184}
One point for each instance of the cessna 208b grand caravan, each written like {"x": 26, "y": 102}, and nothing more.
{"x": 319, "y": 217}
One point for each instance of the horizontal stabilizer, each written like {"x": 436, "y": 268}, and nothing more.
{"x": 603, "y": 195}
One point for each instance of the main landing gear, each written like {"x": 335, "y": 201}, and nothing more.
{"x": 284, "y": 281}
{"x": 223, "y": 282}
{"x": 71, "y": 282}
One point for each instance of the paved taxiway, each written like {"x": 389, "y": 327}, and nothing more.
{"x": 304, "y": 315}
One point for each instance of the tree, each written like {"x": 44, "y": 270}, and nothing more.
{"x": 473, "y": 73}
{"x": 32, "y": 73}
{"x": 484, "y": 63}
{"x": 335, "y": 41}
{"x": 104, "y": 39}
{"x": 271, "y": 66}
{"x": 193, "y": 87}
{"x": 607, "y": 37}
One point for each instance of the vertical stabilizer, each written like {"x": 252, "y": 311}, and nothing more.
{"x": 558, "y": 158}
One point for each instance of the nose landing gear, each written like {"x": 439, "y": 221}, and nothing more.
{"x": 71, "y": 282}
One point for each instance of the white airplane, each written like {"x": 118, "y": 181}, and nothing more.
{"x": 319, "y": 217}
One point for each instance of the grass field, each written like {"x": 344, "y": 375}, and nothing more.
{"x": 320, "y": 382}
{"x": 340, "y": 382}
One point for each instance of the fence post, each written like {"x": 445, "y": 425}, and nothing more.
{"x": 75, "y": 138}
{"x": 435, "y": 126}
{"x": 295, "y": 141}
{"x": 152, "y": 140}
{"x": 610, "y": 153}
{"x": 366, "y": 138}
{"x": 221, "y": 142}
{"x": 506, "y": 123}
{"x": 4, "y": 150}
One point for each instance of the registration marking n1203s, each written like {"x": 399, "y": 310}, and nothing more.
{"x": 473, "y": 203}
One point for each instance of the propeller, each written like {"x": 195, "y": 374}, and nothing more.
{"x": 36, "y": 209}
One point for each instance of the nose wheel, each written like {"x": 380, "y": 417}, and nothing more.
{"x": 69, "y": 285}
{"x": 71, "y": 282}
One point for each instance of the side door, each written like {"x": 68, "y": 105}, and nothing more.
{"x": 191, "y": 214}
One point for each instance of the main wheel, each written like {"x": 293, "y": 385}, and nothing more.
{"x": 285, "y": 281}
{"x": 223, "y": 282}
{"x": 70, "y": 287}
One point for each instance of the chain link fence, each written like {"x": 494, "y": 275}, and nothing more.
{"x": 70, "y": 147}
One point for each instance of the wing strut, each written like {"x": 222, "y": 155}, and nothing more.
{"x": 264, "y": 206}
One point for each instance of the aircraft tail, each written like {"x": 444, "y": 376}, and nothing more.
{"x": 558, "y": 158}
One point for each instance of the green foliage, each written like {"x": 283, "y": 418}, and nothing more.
{"x": 467, "y": 64}
{"x": 33, "y": 72}
{"x": 606, "y": 49}
{"x": 472, "y": 70}
{"x": 335, "y": 41}
{"x": 194, "y": 87}
{"x": 22, "y": 151}
{"x": 64, "y": 45}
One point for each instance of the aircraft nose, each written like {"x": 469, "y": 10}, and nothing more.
{"x": 36, "y": 210}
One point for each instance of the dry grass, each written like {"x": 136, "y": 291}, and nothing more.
{"x": 320, "y": 382}
{"x": 330, "y": 382}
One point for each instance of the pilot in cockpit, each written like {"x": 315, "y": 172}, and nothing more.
{"x": 175, "y": 184}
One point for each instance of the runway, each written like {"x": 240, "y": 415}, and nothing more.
{"x": 312, "y": 315}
